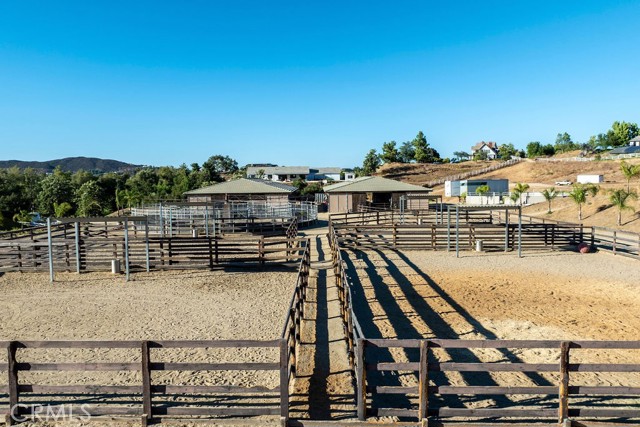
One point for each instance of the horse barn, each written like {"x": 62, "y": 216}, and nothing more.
{"x": 243, "y": 189}
{"x": 375, "y": 191}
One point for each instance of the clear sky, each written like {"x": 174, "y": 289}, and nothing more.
{"x": 308, "y": 83}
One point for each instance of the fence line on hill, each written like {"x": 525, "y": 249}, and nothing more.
{"x": 379, "y": 392}
{"x": 465, "y": 175}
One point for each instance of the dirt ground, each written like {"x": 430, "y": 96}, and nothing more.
{"x": 185, "y": 305}
{"x": 543, "y": 296}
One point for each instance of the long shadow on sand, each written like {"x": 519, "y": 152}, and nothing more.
{"x": 403, "y": 328}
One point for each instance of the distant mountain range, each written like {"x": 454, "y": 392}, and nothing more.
{"x": 73, "y": 164}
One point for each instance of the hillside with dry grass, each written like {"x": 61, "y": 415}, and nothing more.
{"x": 422, "y": 173}
{"x": 541, "y": 175}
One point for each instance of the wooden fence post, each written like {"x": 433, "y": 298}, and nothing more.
{"x": 12, "y": 370}
{"x": 210, "y": 253}
{"x": 284, "y": 382}
{"x": 563, "y": 392}
{"x": 261, "y": 250}
{"x": 147, "y": 408}
{"x": 423, "y": 382}
{"x": 361, "y": 380}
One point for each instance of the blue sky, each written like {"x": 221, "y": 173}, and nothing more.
{"x": 308, "y": 83}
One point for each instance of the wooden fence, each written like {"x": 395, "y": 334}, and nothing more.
{"x": 153, "y": 399}
{"x": 441, "y": 237}
{"x": 152, "y": 253}
{"x": 150, "y": 399}
{"x": 421, "y": 385}
{"x": 427, "y": 398}
{"x": 618, "y": 242}
{"x": 295, "y": 312}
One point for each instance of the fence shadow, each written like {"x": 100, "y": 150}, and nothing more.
{"x": 383, "y": 272}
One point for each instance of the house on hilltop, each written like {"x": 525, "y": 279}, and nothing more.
{"x": 632, "y": 148}
{"x": 242, "y": 190}
{"x": 490, "y": 148}
{"x": 373, "y": 191}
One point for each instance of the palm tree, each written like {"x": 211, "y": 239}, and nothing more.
{"x": 62, "y": 210}
{"x": 518, "y": 190}
{"x": 579, "y": 195}
{"x": 629, "y": 172}
{"x": 619, "y": 199}
{"x": 549, "y": 194}
{"x": 481, "y": 191}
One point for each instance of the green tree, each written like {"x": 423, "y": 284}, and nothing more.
{"x": 144, "y": 184}
{"x": 216, "y": 165}
{"x": 371, "y": 163}
{"x": 424, "y": 153}
{"x": 54, "y": 188}
{"x": 407, "y": 152}
{"x": 549, "y": 194}
{"x": 580, "y": 193}
{"x": 481, "y": 191}
{"x": 536, "y": 149}
{"x": 518, "y": 190}
{"x": 621, "y": 133}
{"x": 390, "y": 153}
{"x": 88, "y": 199}
{"x": 312, "y": 188}
{"x": 564, "y": 143}
{"x": 62, "y": 210}
{"x": 506, "y": 151}
{"x": 629, "y": 171}
{"x": 300, "y": 184}
{"x": 461, "y": 155}
{"x": 23, "y": 217}
{"x": 620, "y": 199}
{"x": 480, "y": 155}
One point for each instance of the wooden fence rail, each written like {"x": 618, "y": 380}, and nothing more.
{"x": 291, "y": 334}
{"x": 618, "y": 242}
{"x": 441, "y": 237}
{"x": 383, "y": 389}
{"x": 433, "y": 382}
{"x": 96, "y": 253}
{"x": 149, "y": 399}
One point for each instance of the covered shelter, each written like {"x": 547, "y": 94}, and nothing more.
{"x": 371, "y": 191}
{"x": 243, "y": 189}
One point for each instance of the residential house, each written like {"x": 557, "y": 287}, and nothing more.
{"x": 632, "y": 148}
{"x": 490, "y": 148}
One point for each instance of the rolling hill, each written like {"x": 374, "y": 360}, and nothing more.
{"x": 541, "y": 175}
{"x": 73, "y": 164}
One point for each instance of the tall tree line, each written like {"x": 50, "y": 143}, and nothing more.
{"x": 83, "y": 193}
{"x": 416, "y": 150}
